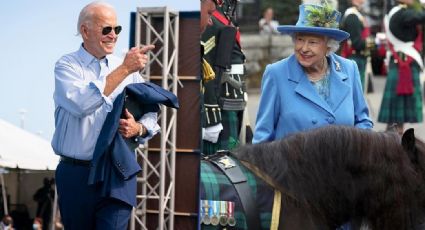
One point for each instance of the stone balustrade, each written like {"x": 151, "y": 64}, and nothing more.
{"x": 261, "y": 50}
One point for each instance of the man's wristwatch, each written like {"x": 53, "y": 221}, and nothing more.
{"x": 142, "y": 130}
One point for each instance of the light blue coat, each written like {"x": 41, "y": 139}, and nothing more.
{"x": 289, "y": 102}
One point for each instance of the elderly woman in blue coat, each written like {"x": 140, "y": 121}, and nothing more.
{"x": 313, "y": 87}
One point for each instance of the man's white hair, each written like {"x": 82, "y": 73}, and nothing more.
{"x": 86, "y": 14}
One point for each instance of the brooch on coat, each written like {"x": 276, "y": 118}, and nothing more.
{"x": 337, "y": 66}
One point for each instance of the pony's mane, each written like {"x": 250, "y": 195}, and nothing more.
{"x": 341, "y": 172}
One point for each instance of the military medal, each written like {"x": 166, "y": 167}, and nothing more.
{"x": 230, "y": 212}
{"x": 205, "y": 218}
{"x": 214, "y": 216}
{"x": 210, "y": 211}
{"x": 201, "y": 212}
{"x": 223, "y": 213}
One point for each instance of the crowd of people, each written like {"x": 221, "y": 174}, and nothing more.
{"x": 20, "y": 218}
{"x": 319, "y": 84}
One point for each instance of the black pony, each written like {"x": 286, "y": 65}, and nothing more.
{"x": 337, "y": 174}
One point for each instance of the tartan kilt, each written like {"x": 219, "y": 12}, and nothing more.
{"x": 229, "y": 136}
{"x": 401, "y": 109}
{"x": 215, "y": 185}
{"x": 361, "y": 64}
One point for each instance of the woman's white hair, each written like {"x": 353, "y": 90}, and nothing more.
{"x": 332, "y": 43}
{"x": 86, "y": 14}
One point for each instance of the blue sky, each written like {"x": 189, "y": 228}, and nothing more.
{"x": 34, "y": 35}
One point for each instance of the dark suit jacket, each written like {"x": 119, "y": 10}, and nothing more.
{"x": 114, "y": 166}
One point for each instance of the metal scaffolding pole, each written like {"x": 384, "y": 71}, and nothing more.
{"x": 157, "y": 181}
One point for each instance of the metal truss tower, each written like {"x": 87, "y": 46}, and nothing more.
{"x": 157, "y": 181}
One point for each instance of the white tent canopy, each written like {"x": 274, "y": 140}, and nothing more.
{"x": 20, "y": 148}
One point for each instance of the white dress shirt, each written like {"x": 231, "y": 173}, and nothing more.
{"x": 80, "y": 105}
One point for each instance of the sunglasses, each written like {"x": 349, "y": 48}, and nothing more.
{"x": 108, "y": 29}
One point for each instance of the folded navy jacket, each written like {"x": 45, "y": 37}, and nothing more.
{"x": 114, "y": 166}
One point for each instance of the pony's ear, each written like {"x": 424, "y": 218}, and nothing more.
{"x": 408, "y": 143}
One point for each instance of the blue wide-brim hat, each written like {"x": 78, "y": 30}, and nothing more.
{"x": 317, "y": 19}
